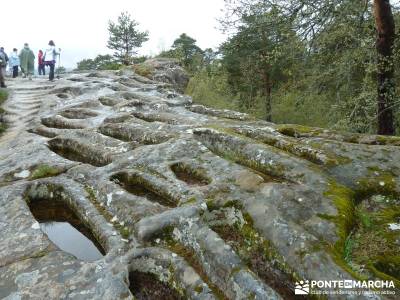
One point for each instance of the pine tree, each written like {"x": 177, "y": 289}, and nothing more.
{"x": 185, "y": 49}
{"x": 124, "y": 38}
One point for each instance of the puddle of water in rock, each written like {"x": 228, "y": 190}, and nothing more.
{"x": 65, "y": 229}
{"x": 70, "y": 240}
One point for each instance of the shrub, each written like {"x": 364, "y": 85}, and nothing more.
{"x": 211, "y": 91}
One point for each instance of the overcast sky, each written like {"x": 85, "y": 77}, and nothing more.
{"x": 79, "y": 27}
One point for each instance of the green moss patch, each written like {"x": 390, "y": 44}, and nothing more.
{"x": 379, "y": 182}
{"x": 375, "y": 248}
{"x": 3, "y": 95}
{"x": 43, "y": 171}
{"x": 388, "y": 140}
{"x": 298, "y": 131}
{"x": 3, "y": 98}
{"x": 343, "y": 198}
{"x": 367, "y": 245}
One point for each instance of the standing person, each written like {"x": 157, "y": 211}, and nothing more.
{"x": 27, "y": 59}
{"x": 49, "y": 58}
{"x": 3, "y": 64}
{"x": 14, "y": 63}
{"x": 4, "y": 54}
{"x": 41, "y": 68}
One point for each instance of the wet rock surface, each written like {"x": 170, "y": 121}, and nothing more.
{"x": 187, "y": 202}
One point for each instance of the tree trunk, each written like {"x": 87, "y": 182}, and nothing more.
{"x": 384, "y": 45}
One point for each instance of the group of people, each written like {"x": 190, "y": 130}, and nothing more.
{"x": 25, "y": 61}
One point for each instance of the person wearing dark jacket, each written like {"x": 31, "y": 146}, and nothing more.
{"x": 3, "y": 65}
{"x": 5, "y": 54}
{"x": 41, "y": 68}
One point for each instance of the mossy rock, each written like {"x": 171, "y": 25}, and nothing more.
{"x": 144, "y": 70}
{"x": 298, "y": 130}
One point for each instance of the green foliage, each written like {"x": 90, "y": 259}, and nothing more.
{"x": 124, "y": 38}
{"x": 257, "y": 57}
{"x": 299, "y": 107}
{"x": 187, "y": 52}
{"x": 307, "y": 62}
{"x": 211, "y": 90}
{"x": 86, "y": 64}
{"x": 140, "y": 59}
{"x": 374, "y": 245}
{"x": 348, "y": 248}
{"x": 61, "y": 70}
{"x": 100, "y": 62}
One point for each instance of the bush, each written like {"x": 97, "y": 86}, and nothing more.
{"x": 297, "y": 107}
{"x": 211, "y": 91}
{"x": 110, "y": 66}
{"x": 288, "y": 105}
{"x": 100, "y": 62}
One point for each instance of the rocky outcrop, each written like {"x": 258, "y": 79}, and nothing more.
{"x": 167, "y": 70}
{"x": 186, "y": 202}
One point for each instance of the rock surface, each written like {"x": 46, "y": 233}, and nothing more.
{"x": 186, "y": 200}
{"x": 165, "y": 70}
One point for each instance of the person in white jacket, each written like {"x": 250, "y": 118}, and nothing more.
{"x": 50, "y": 57}
{"x": 14, "y": 63}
